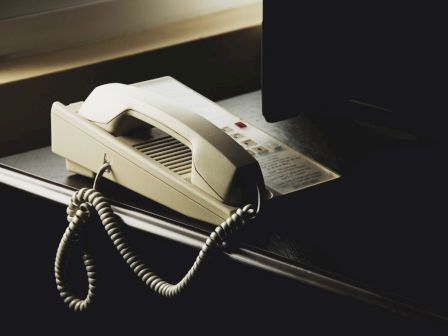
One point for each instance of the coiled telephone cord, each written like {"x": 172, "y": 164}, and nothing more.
{"x": 82, "y": 203}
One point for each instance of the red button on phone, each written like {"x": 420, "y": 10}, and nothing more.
{"x": 240, "y": 124}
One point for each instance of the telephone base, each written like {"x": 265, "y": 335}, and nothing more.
{"x": 76, "y": 168}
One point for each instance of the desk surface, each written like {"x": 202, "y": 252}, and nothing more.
{"x": 378, "y": 228}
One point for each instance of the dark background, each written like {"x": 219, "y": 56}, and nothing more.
{"x": 385, "y": 215}
{"x": 227, "y": 297}
{"x": 317, "y": 57}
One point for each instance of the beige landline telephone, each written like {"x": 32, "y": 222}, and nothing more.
{"x": 161, "y": 139}
{"x": 157, "y": 148}
{"x": 161, "y": 150}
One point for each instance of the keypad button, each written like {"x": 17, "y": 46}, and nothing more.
{"x": 260, "y": 150}
{"x": 249, "y": 143}
{"x": 274, "y": 146}
{"x": 227, "y": 129}
{"x": 240, "y": 124}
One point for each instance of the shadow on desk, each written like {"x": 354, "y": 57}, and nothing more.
{"x": 226, "y": 297}
{"x": 382, "y": 224}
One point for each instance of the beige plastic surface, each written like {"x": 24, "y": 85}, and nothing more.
{"x": 223, "y": 175}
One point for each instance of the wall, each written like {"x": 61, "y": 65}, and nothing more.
{"x": 89, "y": 21}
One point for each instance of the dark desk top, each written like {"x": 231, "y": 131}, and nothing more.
{"x": 380, "y": 227}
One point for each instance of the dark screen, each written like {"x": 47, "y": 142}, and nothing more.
{"x": 322, "y": 57}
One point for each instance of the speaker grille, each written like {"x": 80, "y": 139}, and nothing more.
{"x": 169, "y": 152}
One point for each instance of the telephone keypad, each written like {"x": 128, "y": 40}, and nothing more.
{"x": 252, "y": 147}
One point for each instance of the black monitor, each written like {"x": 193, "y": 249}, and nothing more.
{"x": 384, "y": 63}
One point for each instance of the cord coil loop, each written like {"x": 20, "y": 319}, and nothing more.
{"x": 83, "y": 203}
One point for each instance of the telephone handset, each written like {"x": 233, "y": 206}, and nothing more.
{"x": 158, "y": 149}
{"x": 161, "y": 150}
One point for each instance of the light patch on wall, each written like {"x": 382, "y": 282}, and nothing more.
{"x": 84, "y": 21}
